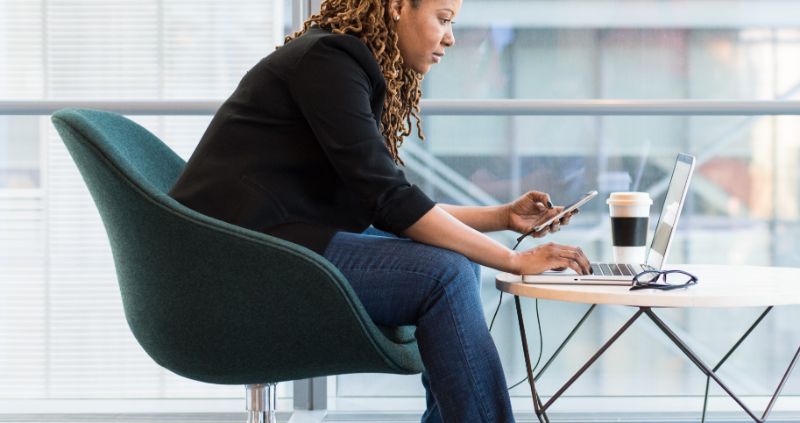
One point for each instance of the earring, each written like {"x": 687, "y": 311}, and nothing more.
{"x": 397, "y": 18}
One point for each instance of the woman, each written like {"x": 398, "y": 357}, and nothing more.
{"x": 306, "y": 149}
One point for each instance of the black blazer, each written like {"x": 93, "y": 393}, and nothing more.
{"x": 296, "y": 150}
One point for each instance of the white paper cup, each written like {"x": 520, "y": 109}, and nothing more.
{"x": 629, "y": 213}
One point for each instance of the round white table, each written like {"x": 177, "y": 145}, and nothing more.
{"x": 718, "y": 286}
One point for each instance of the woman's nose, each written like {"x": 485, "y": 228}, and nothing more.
{"x": 449, "y": 39}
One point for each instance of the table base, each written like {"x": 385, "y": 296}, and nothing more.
{"x": 541, "y": 409}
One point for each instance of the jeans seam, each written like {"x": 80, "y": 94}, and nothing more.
{"x": 425, "y": 304}
{"x": 460, "y": 336}
{"x": 383, "y": 269}
{"x": 441, "y": 286}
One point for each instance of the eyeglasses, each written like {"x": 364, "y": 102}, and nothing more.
{"x": 661, "y": 279}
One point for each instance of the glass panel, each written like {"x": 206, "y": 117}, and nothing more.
{"x": 19, "y": 153}
{"x": 61, "y": 322}
{"x": 494, "y": 60}
{"x": 742, "y": 209}
{"x": 744, "y": 197}
{"x": 61, "y": 319}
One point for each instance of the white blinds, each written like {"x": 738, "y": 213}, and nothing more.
{"x": 62, "y": 331}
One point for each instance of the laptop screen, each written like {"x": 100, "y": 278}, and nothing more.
{"x": 673, "y": 203}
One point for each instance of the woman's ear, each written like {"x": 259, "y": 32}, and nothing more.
{"x": 395, "y": 6}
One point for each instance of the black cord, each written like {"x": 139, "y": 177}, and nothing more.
{"x": 494, "y": 316}
{"x": 541, "y": 345}
{"x": 500, "y": 301}
{"x": 538, "y": 325}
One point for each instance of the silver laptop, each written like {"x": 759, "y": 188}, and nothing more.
{"x": 623, "y": 273}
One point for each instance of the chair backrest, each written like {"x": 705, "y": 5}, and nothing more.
{"x": 209, "y": 300}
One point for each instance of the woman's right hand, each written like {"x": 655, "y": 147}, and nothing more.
{"x": 551, "y": 256}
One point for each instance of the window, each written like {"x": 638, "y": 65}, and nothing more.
{"x": 61, "y": 324}
{"x": 61, "y": 312}
{"x": 744, "y": 195}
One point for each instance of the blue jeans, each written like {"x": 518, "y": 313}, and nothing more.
{"x": 402, "y": 282}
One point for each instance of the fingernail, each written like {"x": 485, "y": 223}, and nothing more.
{"x": 549, "y": 204}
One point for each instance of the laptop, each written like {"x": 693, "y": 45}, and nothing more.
{"x": 623, "y": 273}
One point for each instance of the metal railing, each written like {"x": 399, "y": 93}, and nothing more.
{"x": 495, "y": 107}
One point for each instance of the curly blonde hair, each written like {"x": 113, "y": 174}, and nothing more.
{"x": 371, "y": 21}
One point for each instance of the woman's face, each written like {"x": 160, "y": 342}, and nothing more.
{"x": 424, "y": 31}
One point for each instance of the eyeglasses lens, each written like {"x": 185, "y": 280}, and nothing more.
{"x": 665, "y": 280}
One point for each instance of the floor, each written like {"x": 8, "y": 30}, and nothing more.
{"x": 360, "y": 410}
{"x": 352, "y": 417}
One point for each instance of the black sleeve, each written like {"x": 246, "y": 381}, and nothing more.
{"x": 332, "y": 89}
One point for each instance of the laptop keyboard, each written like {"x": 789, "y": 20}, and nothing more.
{"x": 616, "y": 269}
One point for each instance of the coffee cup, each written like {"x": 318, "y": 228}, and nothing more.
{"x": 630, "y": 212}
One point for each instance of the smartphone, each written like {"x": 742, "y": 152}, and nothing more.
{"x": 581, "y": 201}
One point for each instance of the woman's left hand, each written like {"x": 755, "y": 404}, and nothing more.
{"x": 532, "y": 209}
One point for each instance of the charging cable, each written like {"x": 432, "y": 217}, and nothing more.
{"x": 538, "y": 325}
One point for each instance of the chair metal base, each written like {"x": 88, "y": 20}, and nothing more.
{"x": 260, "y": 402}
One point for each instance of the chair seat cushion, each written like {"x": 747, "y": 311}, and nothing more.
{"x": 399, "y": 334}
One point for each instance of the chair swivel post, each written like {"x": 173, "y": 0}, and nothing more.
{"x": 261, "y": 403}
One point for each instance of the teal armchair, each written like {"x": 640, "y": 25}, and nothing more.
{"x": 212, "y": 301}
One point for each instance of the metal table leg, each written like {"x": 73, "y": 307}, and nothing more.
{"x": 710, "y": 373}
{"x": 537, "y": 403}
{"x": 541, "y": 410}
{"x": 594, "y": 358}
{"x": 564, "y": 343}
{"x": 725, "y": 358}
